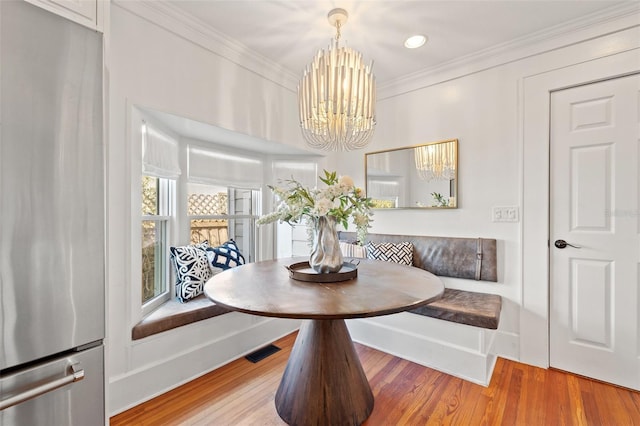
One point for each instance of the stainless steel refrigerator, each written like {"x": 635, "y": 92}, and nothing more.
{"x": 52, "y": 273}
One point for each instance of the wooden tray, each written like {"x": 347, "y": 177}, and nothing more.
{"x": 302, "y": 271}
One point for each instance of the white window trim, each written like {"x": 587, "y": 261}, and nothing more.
{"x": 168, "y": 199}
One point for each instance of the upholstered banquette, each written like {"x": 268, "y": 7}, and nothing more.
{"x": 470, "y": 258}
{"x": 457, "y": 333}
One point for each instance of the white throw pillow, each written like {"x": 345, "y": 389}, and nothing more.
{"x": 353, "y": 250}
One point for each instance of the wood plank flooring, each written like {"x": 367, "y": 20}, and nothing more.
{"x": 241, "y": 393}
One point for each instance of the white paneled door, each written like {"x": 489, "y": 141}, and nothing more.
{"x": 594, "y": 243}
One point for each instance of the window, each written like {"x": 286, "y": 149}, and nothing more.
{"x": 157, "y": 195}
{"x": 160, "y": 169}
{"x": 219, "y": 213}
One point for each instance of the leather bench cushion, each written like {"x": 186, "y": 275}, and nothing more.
{"x": 465, "y": 307}
{"x": 446, "y": 256}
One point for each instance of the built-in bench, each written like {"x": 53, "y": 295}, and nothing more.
{"x": 465, "y": 307}
{"x": 470, "y": 258}
{"x": 453, "y": 257}
{"x": 456, "y": 349}
{"x": 173, "y": 314}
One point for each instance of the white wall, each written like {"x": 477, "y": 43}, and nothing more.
{"x": 153, "y": 68}
{"x": 481, "y": 103}
{"x": 481, "y": 111}
{"x": 483, "y": 106}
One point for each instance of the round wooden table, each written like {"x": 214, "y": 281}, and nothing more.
{"x": 323, "y": 383}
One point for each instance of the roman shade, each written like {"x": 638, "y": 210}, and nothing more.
{"x": 160, "y": 153}
{"x": 221, "y": 168}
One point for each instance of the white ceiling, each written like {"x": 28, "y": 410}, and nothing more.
{"x": 290, "y": 32}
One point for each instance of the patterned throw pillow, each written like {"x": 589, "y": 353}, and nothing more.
{"x": 401, "y": 253}
{"x": 192, "y": 270}
{"x": 225, "y": 256}
{"x": 203, "y": 245}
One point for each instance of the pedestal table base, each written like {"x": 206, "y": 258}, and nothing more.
{"x": 324, "y": 383}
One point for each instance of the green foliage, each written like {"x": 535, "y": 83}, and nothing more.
{"x": 340, "y": 199}
{"x": 440, "y": 200}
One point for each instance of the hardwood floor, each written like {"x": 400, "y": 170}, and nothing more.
{"x": 242, "y": 393}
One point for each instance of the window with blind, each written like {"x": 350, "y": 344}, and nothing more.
{"x": 222, "y": 192}
{"x": 160, "y": 169}
{"x": 224, "y": 198}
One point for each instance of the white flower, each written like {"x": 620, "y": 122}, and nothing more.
{"x": 269, "y": 218}
{"x": 340, "y": 199}
{"x": 325, "y": 193}
{"x": 346, "y": 181}
{"x": 322, "y": 206}
{"x": 360, "y": 219}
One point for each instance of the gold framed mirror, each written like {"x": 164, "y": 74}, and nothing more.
{"x": 420, "y": 176}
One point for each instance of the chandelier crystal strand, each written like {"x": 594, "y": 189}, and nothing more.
{"x": 436, "y": 161}
{"x": 336, "y": 98}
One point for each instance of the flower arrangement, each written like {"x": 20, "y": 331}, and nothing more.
{"x": 340, "y": 199}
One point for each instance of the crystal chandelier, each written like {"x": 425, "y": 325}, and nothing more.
{"x": 436, "y": 161}
{"x": 337, "y": 96}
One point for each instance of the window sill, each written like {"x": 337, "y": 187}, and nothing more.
{"x": 173, "y": 314}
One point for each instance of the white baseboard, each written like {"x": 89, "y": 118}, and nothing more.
{"x": 507, "y": 345}
{"x": 462, "y": 351}
{"x": 459, "y": 350}
{"x": 143, "y": 384}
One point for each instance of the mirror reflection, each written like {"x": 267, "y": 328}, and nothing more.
{"x": 422, "y": 176}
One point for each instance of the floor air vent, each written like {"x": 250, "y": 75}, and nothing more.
{"x": 262, "y": 353}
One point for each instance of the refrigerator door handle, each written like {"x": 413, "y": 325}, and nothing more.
{"x": 76, "y": 373}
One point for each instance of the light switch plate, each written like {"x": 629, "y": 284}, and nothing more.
{"x": 505, "y": 214}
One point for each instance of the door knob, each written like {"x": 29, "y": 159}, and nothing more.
{"x": 562, "y": 244}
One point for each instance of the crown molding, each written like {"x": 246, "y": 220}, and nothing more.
{"x": 610, "y": 20}
{"x": 174, "y": 20}
{"x": 171, "y": 18}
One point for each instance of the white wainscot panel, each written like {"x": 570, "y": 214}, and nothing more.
{"x": 460, "y": 350}
{"x": 166, "y": 360}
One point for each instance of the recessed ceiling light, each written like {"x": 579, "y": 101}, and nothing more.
{"x": 415, "y": 41}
